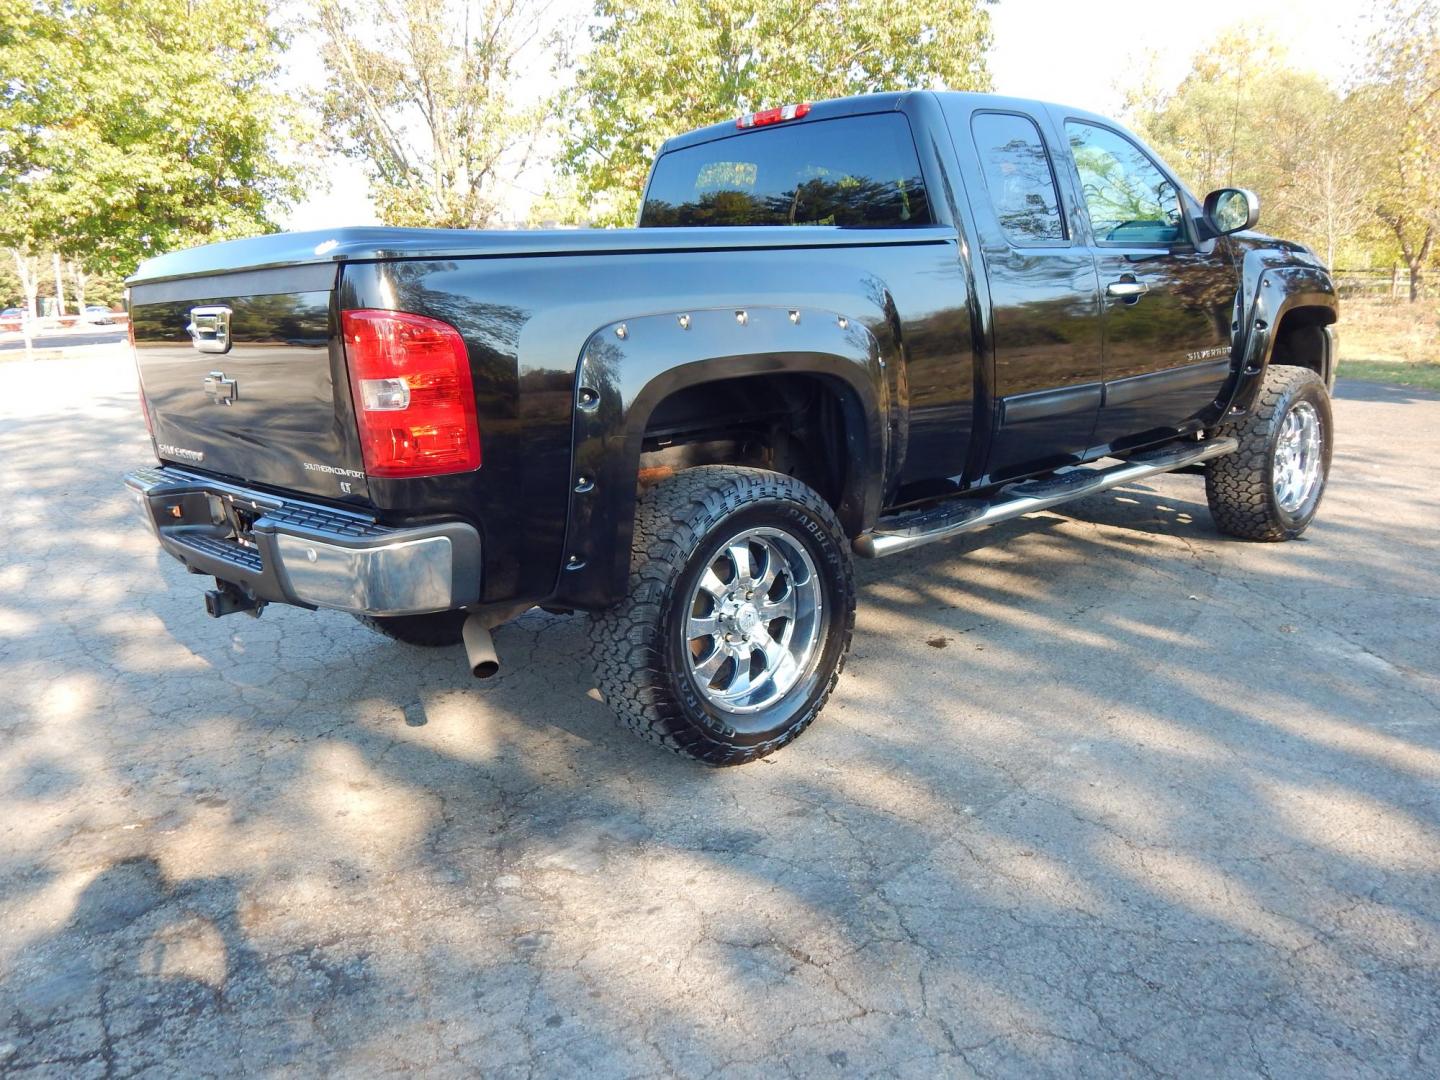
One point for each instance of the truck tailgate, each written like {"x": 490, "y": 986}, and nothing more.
{"x": 244, "y": 376}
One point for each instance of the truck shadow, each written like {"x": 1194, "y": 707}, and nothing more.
{"x": 1097, "y": 793}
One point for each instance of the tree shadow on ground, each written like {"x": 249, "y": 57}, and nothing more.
{"x": 1099, "y": 794}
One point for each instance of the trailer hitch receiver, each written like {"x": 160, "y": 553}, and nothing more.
{"x": 227, "y": 599}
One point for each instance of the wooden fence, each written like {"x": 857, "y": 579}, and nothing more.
{"x": 1382, "y": 283}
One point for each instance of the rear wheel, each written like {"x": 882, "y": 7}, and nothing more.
{"x": 431, "y": 630}
{"x": 1270, "y": 488}
{"x": 739, "y": 615}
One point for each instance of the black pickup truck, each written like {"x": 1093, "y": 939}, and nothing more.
{"x": 847, "y": 328}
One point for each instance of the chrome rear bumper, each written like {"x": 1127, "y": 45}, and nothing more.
{"x": 282, "y": 550}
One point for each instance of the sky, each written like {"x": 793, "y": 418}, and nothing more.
{"x": 1078, "y": 53}
{"x": 1067, "y": 53}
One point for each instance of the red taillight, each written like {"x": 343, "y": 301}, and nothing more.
{"x": 773, "y": 116}
{"x": 414, "y": 401}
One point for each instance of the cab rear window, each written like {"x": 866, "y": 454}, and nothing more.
{"x": 858, "y": 171}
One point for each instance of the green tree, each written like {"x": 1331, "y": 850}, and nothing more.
{"x": 11, "y": 292}
{"x": 1401, "y": 99}
{"x": 560, "y": 205}
{"x": 422, "y": 92}
{"x": 658, "y": 67}
{"x": 129, "y": 127}
{"x": 1333, "y": 183}
{"x": 28, "y": 269}
{"x": 87, "y": 287}
{"x": 1245, "y": 116}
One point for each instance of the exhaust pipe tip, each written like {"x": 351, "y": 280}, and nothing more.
{"x": 479, "y": 647}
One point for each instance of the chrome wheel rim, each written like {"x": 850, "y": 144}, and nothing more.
{"x": 1297, "y": 469}
{"x": 753, "y": 621}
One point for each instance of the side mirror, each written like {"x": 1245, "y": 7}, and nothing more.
{"x": 1231, "y": 210}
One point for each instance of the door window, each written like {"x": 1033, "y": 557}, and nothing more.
{"x": 1019, "y": 178}
{"x": 1130, "y": 200}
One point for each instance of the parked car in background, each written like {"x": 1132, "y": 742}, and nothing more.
{"x": 100, "y": 316}
{"x": 11, "y": 318}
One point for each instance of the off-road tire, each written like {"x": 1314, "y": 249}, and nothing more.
{"x": 432, "y": 631}
{"x": 636, "y": 645}
{"x": 1240, "y": 486}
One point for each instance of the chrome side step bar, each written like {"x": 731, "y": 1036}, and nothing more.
{"x": 1017, "y": 500}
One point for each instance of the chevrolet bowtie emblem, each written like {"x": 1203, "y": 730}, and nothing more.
{"x": 222, "y": 391}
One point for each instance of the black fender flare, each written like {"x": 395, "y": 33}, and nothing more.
{"x": 627, "y": 367}
{"x": 1273, "y": 283}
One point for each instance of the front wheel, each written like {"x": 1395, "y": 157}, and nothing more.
{"x": 740, "y": 610}
{"x": 1270, "y": 488}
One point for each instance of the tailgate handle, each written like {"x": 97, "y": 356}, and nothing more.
{"x": 210, "y": 329}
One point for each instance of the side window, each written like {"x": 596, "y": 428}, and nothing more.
{"x": 860, "y": 171}
{"x": 1018, "y": 177}
{"x": 1129, "y": 199}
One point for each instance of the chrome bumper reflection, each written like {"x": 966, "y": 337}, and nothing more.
{"x": 412, "y": 575}
{"x": 284, "y": 551}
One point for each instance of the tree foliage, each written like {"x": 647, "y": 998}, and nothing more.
{"x": 422, "y": 92}
{"x": 1352, "y": 170}
{"x": 1401, "y": 95}
{"x": 659, "y": 67}
{"x": 1244, "y": 117}
{"x": 129, "y": 127}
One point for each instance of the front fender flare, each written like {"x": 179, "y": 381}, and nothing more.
{"x": 1272, "y": 283}
{"x": 628, "y": 367}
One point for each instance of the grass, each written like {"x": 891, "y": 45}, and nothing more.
{"x": 1421, "y": 375}
{"x": 1392, "y": 341}
{"x": 1394, "y": 330}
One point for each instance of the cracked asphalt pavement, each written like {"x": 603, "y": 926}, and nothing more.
{"x": 1099, "y": 794}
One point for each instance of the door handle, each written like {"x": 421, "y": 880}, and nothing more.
{"x": 1127, "y": 290}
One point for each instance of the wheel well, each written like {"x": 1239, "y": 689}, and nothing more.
{"x": 803, "y": 425}
{"x": 1300, "y": 340}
